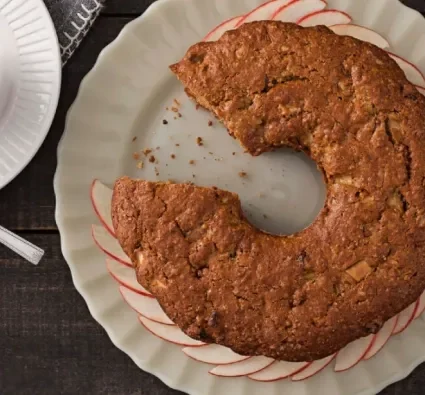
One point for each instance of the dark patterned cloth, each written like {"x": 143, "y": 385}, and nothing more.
{"x": 72, "y": 19}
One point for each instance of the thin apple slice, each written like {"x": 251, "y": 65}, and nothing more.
{"x": 381, "y": 338}
{"x": 325, "y": 17}
{"x": 125, "y": 276}
{"x": 101, "y": 198}
{"x": 297, "y": 9}
{"x": 214, "y": 354}
{"x": 169, "y": 333}
{"x": 109, "y": 245}
{"x": 421, "y": 301}
{"x": 421, "y": 89}
{"x": 353, "y": 353}
{"x": 413, "y": 74}
{"x": 313, "y": 368}
{"x": 222, "y": 28}
{"x": 405, "y": 318}
{"x": 243, "y": 368}
{"x": 361, "y": 33}
{"x": 279, "y": 370}
{"x": 264, "y": 11}
{"x": 146, "y": 306}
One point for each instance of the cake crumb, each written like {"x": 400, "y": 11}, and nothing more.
{"x": 172, "y": 156}
{"x": 177, "y": 145}
{"x": 242, "y": 174}
{"x": 174, "y": 109}
{"x": 233, "y": 153}
{"x": 179, "y": 115}
{"x": 164, "y": 122}
{"x": 166, "y": 108}
{"x": 199, "y": 141}
{"x": 210, "y": 123}
{"x": 147, "y": 151}
{"x": 134, "y": 139}
{"x": 156, "y": 172}
{"x": 177, "y": 102}
{"x": 136, "y": 156}
{"x": 152, "y": 159}
{"x": 140, "y": 165}
{"x": 191, "y": 162}
{"x": 193, "y": 176}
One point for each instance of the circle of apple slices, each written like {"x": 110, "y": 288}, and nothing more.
{"x": 228, "y": 363}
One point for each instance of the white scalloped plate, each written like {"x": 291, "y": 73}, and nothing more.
{"x": 125, "y": 96}
{"x": 30, "y": 79}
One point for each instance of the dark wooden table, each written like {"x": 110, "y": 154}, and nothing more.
{"x": 49, "y": 343}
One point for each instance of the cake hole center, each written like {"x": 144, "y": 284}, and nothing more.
{"x": 289, "y": 194}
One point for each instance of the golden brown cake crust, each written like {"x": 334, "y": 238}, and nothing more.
{"x": 298, "y": 298}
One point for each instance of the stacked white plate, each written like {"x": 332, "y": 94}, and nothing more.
{"x": 30, "y": 76}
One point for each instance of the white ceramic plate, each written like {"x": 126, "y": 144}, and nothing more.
{"x": 125, "y": 96}
{"x": 30, "y": 78}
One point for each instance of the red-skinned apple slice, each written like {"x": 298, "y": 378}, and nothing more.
{"x": 325, "y": 17}
{"x": 421, "y": 306}
{"x": 279, "y": 370}
{"x": 264, "y": 11}
{"x": 214, "y": 354}
{"x": 170, "y": 333}
{"x": 381, "y": 338}
{"x": 109, "y": 245}
{"x": 421, "y": 89}
{"x": 101, "y": 198}
{"x": 222, "y": 28}
{"x": 146, "y": 306}
{"x": 313, "y": 368}
{"x": 353, "y": 353}
{"x": 405, "y": 318}
{"x": 244, "y": 368}
{"x": 413, "y": 74}
{"x": 361, "y": 33}
{"x": 125, "y": 276}
{"x": 297, "y": 9}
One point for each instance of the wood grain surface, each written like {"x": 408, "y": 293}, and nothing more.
{"x": 49, "y": 343}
